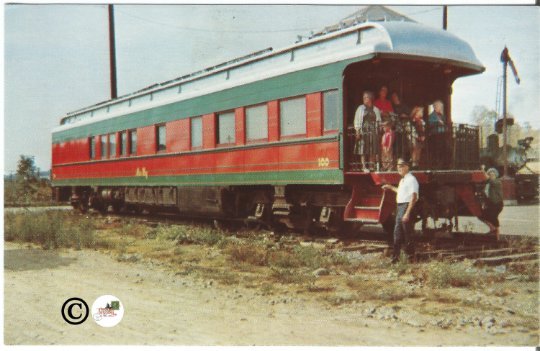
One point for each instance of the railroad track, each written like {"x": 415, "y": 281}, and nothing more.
{"x": 483, "y": 249}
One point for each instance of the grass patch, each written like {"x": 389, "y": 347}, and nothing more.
{"x": 184, "y": 234}
{"x": 380, "y": 290}
{"x": 247, "y": 252}
{"x": 340, "y": 298}
{"x": 291, "y": 276}
{"x": 51, "y": 229}
{"x": 445, "y": 274}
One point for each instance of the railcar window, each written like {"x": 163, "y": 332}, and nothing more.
{"x": 92, "y": 142}
{"x": 123, "y": 143}
{"x": 112, "y": 145}
{"x": 160, "y": 138}
{"x": 226, "y": 128}
{"x": 293, "y": 116}
{"x": 196, "y": 132}
{"x": 133, "y": 142}
{"x": 103, "y": 142}
{"x": 257, "y": 122}
{"x": 330, "y": 108}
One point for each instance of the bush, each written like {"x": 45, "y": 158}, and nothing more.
{"x": 283, "y": 259}
{"x": 134, "y": 230}
{"x": 184, "y": 234}
{"x": 444, "y": 274}
{"x": 247, "y": 252}
{"x": 310, "y": 257}
{"x": 50, "y": 229}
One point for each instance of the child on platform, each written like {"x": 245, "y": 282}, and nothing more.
{"x": 387, "y": 144}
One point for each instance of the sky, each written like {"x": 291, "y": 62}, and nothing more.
{"x": 56, "y": 56}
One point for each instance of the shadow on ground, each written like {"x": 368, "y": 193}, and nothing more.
{"x": 33, "y": 259}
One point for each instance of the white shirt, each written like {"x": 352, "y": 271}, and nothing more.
{"x": 407, "y": 186}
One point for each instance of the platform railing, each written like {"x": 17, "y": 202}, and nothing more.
{"x": 452, "y": 147}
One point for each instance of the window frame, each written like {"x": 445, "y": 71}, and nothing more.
{"x": 123, "y": 144}
{"x": 324, "y": 130}
{"x": 92, "y": 147}
{"x": 104, "y": 146}
{"x": 111, "y": 151}
{"x": 158, "y": 128}
{"x": 259, "y": 140}
{"x": 191, "y": 146}
{"x": 298, "y": 135}
{"x": 130, "y": 150}
{"x": 217, "y": 129}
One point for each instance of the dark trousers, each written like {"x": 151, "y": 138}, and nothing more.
{"x": 491, "y": 213}
{"x": 402, "y": 231}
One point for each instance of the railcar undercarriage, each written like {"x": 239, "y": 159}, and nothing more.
{"x": 304, "y": 208}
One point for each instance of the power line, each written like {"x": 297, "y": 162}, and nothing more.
{"x": 212, "y": 30}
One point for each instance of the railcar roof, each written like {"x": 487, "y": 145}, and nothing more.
{"x": 395, "y": 38}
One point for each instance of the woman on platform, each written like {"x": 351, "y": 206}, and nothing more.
{"x": 494, "y": 201}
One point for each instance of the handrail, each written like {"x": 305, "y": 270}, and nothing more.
{"x": 453, "y": 146}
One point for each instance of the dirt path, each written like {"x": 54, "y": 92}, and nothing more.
{"x": 163, "y": 308}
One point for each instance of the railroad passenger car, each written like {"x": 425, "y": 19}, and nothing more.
{"x": 266, "y": 137}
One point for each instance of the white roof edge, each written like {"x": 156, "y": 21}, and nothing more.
{"x": 391, "y": 31}
{"x": 227, "y": 67}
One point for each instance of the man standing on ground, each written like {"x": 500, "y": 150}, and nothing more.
{"x": 407, "y": 196}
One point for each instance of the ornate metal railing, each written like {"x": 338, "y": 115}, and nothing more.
{"x": 451, "y": 147}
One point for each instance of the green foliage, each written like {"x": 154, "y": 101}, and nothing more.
{"x": 50, "y": 229}
{"x": 247, "y": 252}
{"x": 184, "y": 234}
{"x": 311, "y": 257}
{"x": 26, "y": 187}
{"x": 445, "y": 274}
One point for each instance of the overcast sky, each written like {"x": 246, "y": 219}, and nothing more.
{"x": 56, "y": 56}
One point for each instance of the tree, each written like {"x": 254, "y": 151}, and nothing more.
{"x": 485, "y": 119}
{"x": 27, "y": 180}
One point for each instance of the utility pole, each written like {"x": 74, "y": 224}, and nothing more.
{"x": 445, "y": 17}
{"x": 504, "y": 59}
{"x": 112, "y": 53}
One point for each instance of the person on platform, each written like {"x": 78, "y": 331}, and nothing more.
{"x": 494, "y": 201}
{"x": 407, "y": 196}
{"x": 401, "y": 126}
{"x": 383, "y": 104}
{"x": 400, "y": 109}
{"x": 418, "y": 135}
{"x": 387, "y": 147}
{"x": 366, "y": 119}
{"x": 438, "y": 136}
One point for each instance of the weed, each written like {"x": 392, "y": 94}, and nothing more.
{"x": 283, "y": 259}
{"x": 250, "y": 252}
{"x": 133, "y": 230}
{"x": 291, "y": 276}
{"x": 310, "y": 257}
{"x": 50, "y": 229}
{"x": 445, "y": 274}
{"x": 340, "y": 299}
{"x": 402, "y": 265}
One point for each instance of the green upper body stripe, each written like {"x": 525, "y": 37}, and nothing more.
{"x": 292, "y": 84}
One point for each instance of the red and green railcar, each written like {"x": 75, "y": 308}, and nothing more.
{"x": 266, "y": 137}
